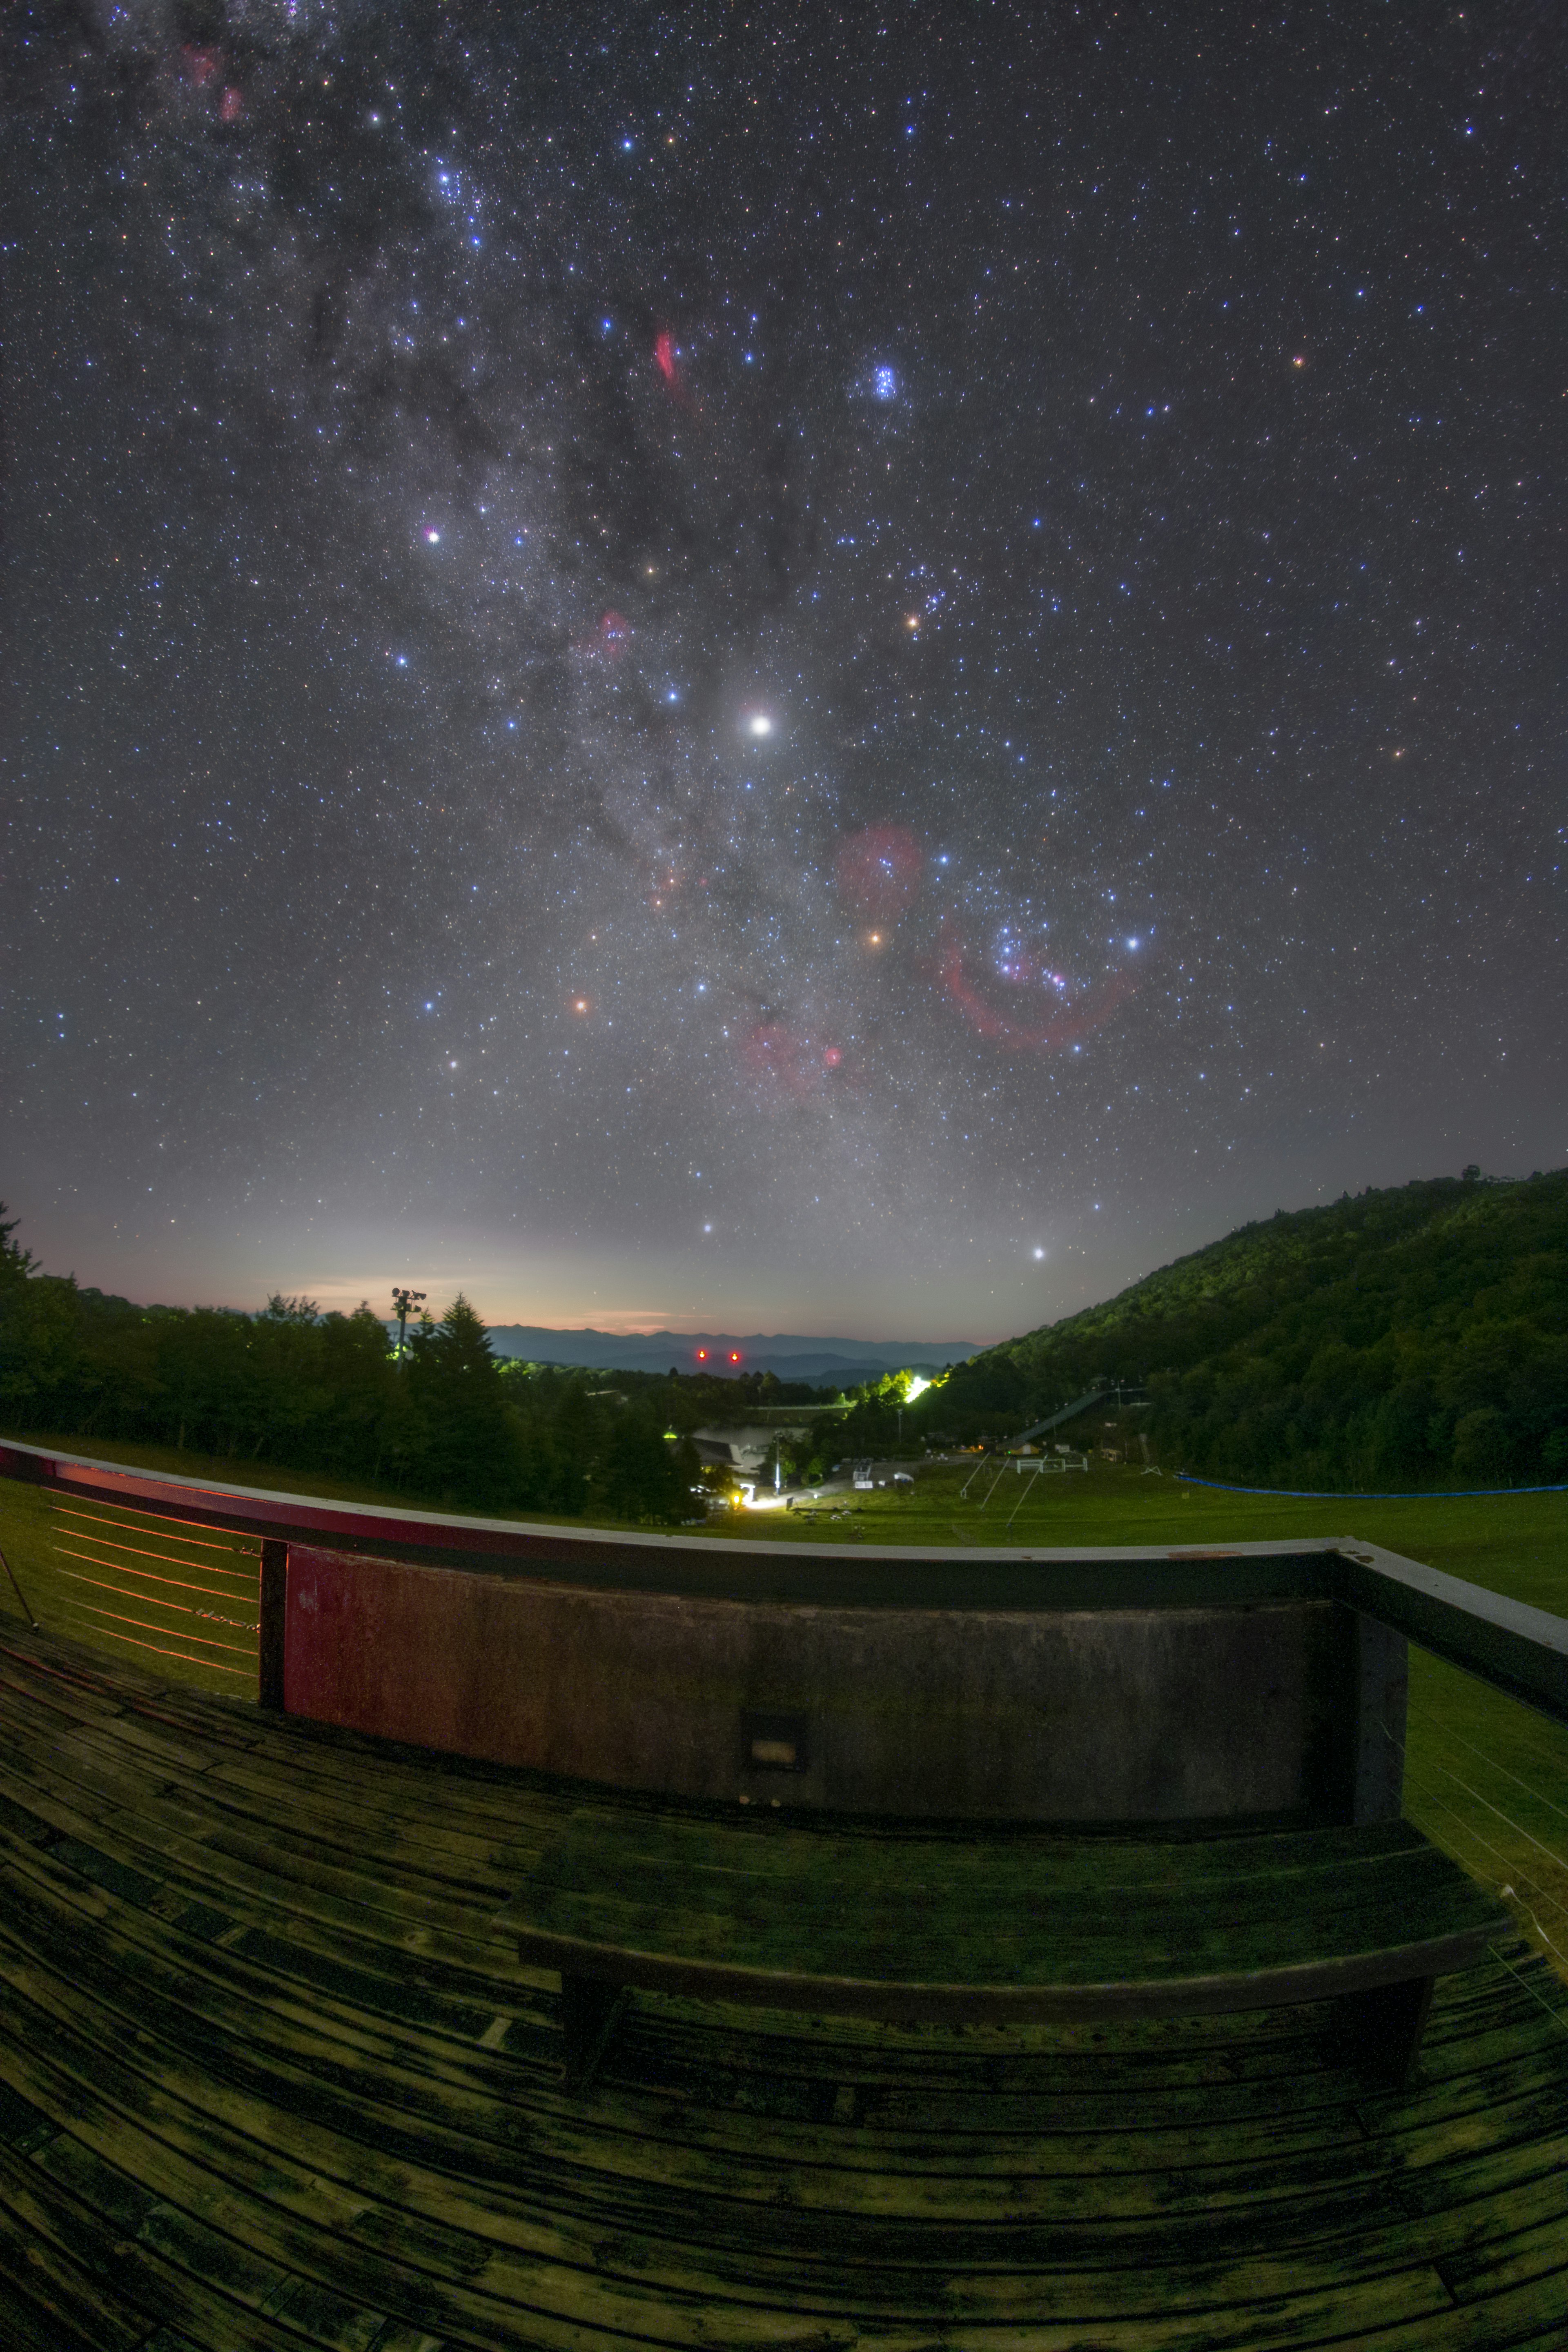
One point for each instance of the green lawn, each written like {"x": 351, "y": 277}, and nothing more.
{"x": 1512, "y": 1544}
{"x": 1485, "y": 1778}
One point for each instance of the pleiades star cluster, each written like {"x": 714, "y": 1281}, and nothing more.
{"x": 880, "y": 661}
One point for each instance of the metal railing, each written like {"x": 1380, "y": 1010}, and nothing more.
{"x": 172, "y": 1588}
{"x": 1517, "y": 1649}
{"x": 192, "y": 1576}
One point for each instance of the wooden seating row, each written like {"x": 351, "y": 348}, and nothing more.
{"x": 272, "y": 2074}
{"x": 1003, "y": 1928}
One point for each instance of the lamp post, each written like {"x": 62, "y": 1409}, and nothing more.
{"x": 402, "y": 1300}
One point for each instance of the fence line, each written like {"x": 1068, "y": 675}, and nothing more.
{"x": 1497, "y": 1810}
{"x": 214, "y": 1592}
{"x": 1367, "y": 1494}
{"x": 1427, "y": 1799}
{"x": 1556, "y": 2014}
{"x": 176, "y": 1620}
{"x": 1541, "y": 1931}
{"x": 1548, "y": 1802}
{"x": 1542, "y": 1894}
{"x": 225, "y": 1539}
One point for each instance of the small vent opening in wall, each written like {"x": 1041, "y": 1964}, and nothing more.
{"x": 773, "y": 1743}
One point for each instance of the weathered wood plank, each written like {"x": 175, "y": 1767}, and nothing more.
{"x": 146, "y": 2170}
{"x": 49, "y": 2300}
{"x": 263, "y": 1996}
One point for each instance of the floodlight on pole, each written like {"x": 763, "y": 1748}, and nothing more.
{"x": 402, "y": 1300}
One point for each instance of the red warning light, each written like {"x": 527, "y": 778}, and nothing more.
{"x": 734, "y": 1355}
{"x": 702, "y": 1355}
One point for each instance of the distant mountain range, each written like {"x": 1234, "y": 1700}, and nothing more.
{"x": 785, "y": 1353}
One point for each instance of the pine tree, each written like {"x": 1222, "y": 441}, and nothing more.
{"x": 455, "y": 1387}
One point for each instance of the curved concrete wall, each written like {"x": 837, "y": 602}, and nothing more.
{"x": 1066, "y": 1714}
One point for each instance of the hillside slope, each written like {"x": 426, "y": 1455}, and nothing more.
{"x": 1413, "y": 1337}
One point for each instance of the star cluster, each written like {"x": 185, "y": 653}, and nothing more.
{"x": 871, "y": 654}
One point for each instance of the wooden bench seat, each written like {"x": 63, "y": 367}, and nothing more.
{"x": 997, "y": 1928}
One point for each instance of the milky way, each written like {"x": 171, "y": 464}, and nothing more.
{"x": 891, "y": 661}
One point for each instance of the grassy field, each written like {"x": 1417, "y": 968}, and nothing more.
{"x": 1486, "y": 1778}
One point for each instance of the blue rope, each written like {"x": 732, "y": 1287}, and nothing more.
{"x": 1354, "y": 1495}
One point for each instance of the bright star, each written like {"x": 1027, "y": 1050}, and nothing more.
{"x": 760, "y": 723}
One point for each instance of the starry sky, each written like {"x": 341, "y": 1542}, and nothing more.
{"x": 862, "y": 672}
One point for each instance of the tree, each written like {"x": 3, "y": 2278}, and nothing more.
{"x": 16, "y": 1263}
{"x": 642, "y": 1478}
{"x": 469, "y": 1453}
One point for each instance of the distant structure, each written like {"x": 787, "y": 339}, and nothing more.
{"x": 402, "y": 1300}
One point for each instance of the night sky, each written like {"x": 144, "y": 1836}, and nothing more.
{"x": 853, "y": 672}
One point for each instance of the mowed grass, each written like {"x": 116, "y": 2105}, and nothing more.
{"x": 1485, "y": 1778}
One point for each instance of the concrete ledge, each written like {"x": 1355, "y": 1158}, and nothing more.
{"x": 1047, "y": 1713}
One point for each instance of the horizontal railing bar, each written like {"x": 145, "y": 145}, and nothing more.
{"x": 1490, "y": 1761}
{"x": 1520, "y": 1650}
{"x": 234, "y": 1649}
{"x": 235, "y": 1544}
{"x": 140, "y": 1551}
{"x": 158, "y": 1650}
{"x": 1517, "y": 1649}
{"x": 207, "y": 1591}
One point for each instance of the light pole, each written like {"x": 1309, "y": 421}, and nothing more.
{"x": 402, "y": 1300}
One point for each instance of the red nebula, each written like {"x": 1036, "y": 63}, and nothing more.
{"x": 202, "y": 66}
{"x": 784, "y": 1063}
{"x": 1067, "y": 1026}
{"x": 664, "y": 354}
{"x": 610, "y": 640}
{"x": 232, "y": 105}
{"x": 773, "y": 1050}
{"x": 880, "y": 872}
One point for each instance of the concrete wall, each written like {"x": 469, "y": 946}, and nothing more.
{"x": 1044, "y": 1713}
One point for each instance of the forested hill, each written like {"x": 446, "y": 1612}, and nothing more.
{"x": 1413, "y": 1337}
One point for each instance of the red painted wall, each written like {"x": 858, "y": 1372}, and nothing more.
{"x": 424, "y": 1655}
